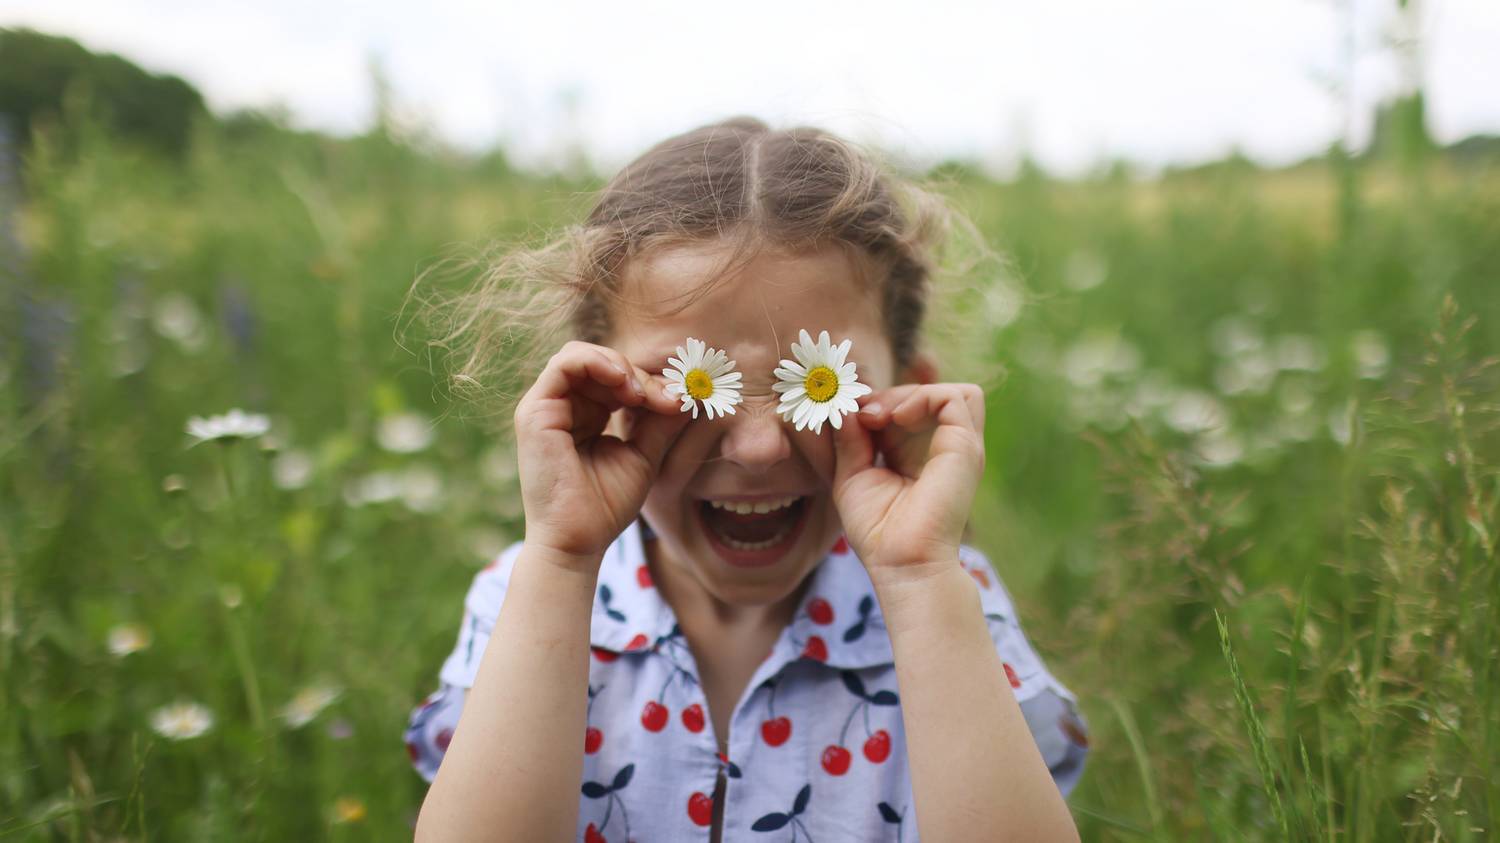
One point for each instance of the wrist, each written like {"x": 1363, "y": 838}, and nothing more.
{"x": 925, "y": 595}
{"x": 540, "y": 552}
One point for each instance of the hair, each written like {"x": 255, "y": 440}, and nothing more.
{"x": 736, "y": 180}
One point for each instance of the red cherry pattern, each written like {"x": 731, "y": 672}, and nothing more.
{"x": 444, "y": 738}
{"x": 592, "y": 835}
{"x": 604, "y": 655}
{"x": 1010, "y": 673}
{"x": 592, "y": 740}
{"x": 836, "y": 760}
{"x": 643, "y": 576}
{"x": 654, "y": 716}
{"x": 776, "y": 730}
{"x": 700, "y": 809}
{"x": 841, "y": 546}
{"x": 878, "y": 746}
{"x": 638, "y": 642}
{"x": 980, "y": 577}
{"x": 413, "y": 752}
{"x": 692, "y": 718}
{"x": 815, "y": 649}
{"x": 819, "y": 612}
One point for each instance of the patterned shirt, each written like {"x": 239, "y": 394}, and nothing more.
{"x": 817, "y": 749}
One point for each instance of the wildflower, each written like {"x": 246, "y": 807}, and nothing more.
{"x": 347, "y": 809}
{"x": 404, "y": 433}
{"x": 818, "y": 386}
{"x": 231, "y": 595}
{"x": 292, "y": 469}
{"x": 128, "y": 638}
{"x": 236, "y": 424}
{"x": 182, "y": 720}
{"x": 703, "y": 375}
{"x": 308, "y": 704}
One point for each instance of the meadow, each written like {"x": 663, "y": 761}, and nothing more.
{"x": 1243, "y": 466}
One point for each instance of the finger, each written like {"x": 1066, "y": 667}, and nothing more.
{"x": 875, "y": 408}
{"x": 657, "y": 399}
{"x": 933, "y": 404}
{"x": 653, "y": 434}
{"x": 591, "y": 371}
{"x": 853, "y": 450}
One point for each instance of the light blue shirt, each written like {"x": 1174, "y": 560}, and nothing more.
{"x": 817, "y": 748}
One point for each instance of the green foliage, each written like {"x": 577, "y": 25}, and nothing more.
{"x": 1243, "y": 471}
{"x": 39, "y": 72}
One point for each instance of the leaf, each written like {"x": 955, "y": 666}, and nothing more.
{"x": 622, "y": 778}
{"x": 771, "y": 822}
{"x": 734, "y": 770}
{"x": 617, "y": 615}
{"x": 855, "y": 685}
{"x": 885, "y": 698}
{"x": 604, "y": 593}
{"x": 854, "y": 633}
{"x": 801, "y": 801}
{"x": 866, "y": 604}
{"x": 888, "y": 813}
{"x": 594, "y": 790}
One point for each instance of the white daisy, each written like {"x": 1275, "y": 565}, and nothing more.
{"x": 818, "y": 386}
{"x": 128, "y": 638}
{"x": 308, "y": 704}
{"x": 236, "y": 424}
{"x": 703, "y": 375}
{"x": 182, "y": 720}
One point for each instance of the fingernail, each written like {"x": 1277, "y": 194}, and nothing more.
{"x": 871, "y": 408}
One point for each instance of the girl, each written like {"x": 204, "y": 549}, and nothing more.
{"x": 748, "y": 627}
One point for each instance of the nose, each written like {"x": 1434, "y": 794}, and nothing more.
{"x": 756, "y": 437}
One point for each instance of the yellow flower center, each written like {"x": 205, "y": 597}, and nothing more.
{"x": 821, "y": 384}
{"x": 699, "y": 384}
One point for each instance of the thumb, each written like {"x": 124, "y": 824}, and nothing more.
{"x": 853, "y": 451}
{"x": 654, "y": 433}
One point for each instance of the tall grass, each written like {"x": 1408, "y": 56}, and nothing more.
{"x": 1243, "y": 481}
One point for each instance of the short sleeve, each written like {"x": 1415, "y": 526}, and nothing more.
{"x": 430, "y": 725}
{"x": 1051, "y": 710}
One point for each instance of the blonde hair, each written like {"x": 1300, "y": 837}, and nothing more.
{"x": 737, "y": 180}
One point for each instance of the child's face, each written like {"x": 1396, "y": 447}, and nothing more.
{"x": 752, "y": 455}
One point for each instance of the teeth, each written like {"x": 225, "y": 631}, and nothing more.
{"x": 761, "y": 507}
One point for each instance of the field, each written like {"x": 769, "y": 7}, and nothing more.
{"x": 1242, "y": 478}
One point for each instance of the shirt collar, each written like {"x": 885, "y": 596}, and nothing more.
{"x": 838, "y": 622}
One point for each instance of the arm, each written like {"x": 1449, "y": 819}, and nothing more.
{"x": 977, "y": 777}
{"x": 504, "y": 769}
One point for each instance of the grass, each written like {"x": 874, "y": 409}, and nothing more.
{"x": 1242, "y": 479}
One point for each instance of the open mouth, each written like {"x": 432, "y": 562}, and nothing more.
{"x": 755, "y": 533}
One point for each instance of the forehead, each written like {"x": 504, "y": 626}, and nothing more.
{"x": 753, "y": 313}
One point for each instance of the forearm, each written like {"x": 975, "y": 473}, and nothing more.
{"x": 513, "y": 768}
{"x": 978, "y": 776}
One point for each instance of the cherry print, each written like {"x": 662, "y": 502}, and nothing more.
{"x": 1073, "y": 729}
{"x": 412, "y": 751}
{"x": 638, "y": 642}
{"x": 592, "y": 835}
{"x": 842, "y": 545}
{"x": 1010, "y": 673}
{"x": 604, "y": 655}
{"x": 776, "y": 730}
{"x": 654, "y": 716}
{"x": 776, "y": 819}
{"x": 592, "y": 739}
{"x": 692, "y": 718}
{"x": 609, "y": 793}
{"x": 819, "y": 611}
{"x": 980, "y": 576}
{"x": 643, "y": 576}
{"x": 836, "y": 760}
{"x": 878, "y": 746}
{"x": 444, "y": 738}
{"x": 700, "y": 808}
{"x": 815, "y": 649}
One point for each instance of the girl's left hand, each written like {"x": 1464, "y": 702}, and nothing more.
{"x": 905, "y": 518}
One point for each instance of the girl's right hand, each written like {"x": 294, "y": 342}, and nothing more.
{"x": 580, "y": 487}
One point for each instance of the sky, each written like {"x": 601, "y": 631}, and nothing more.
{"x": 1071, "y": 83}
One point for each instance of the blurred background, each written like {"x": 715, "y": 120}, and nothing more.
{"x": 1244, "y": 459}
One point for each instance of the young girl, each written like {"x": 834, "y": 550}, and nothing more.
{"x": 753, "y": 626}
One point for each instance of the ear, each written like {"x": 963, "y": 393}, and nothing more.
{"x": 922, "y": 369}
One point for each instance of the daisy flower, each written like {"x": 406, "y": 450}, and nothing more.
{"x": 128, "y": 638}
{"x": 182, "y": 720}
{"x": 818, "y": 386}
{"x": 236, "y": 424}
{"x": 703, "y": 375}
